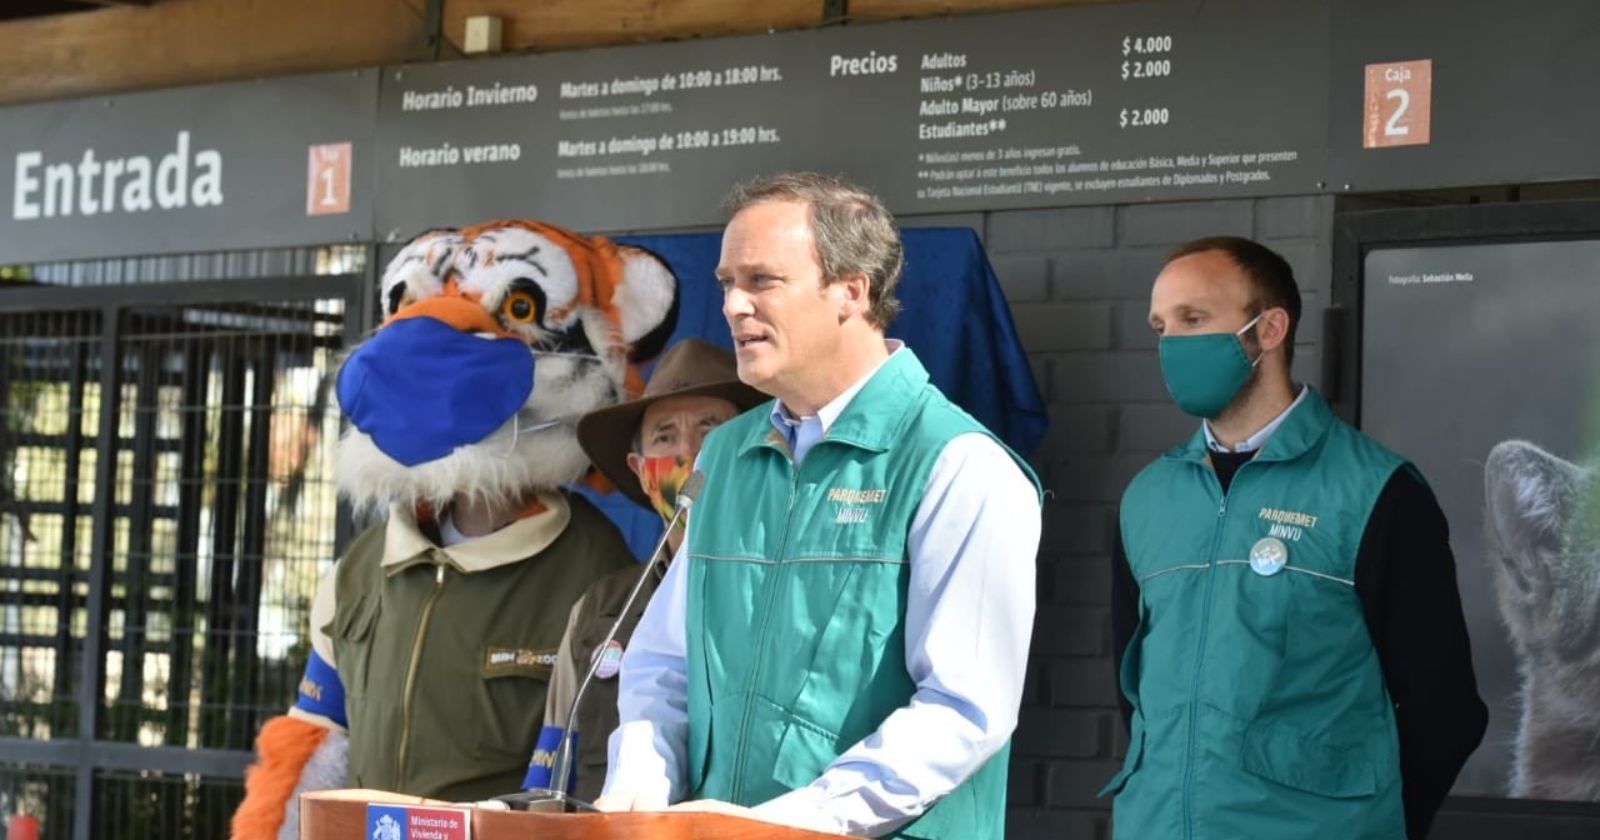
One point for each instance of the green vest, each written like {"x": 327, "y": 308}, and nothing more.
{"x": 1259, "y": 704}
{"x": 796, "y": 598}
{"x": 445, "y": 673}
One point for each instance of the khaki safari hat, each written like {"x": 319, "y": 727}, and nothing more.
{"x": 691, "y": 367}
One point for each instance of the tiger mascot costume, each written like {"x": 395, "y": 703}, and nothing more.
{"x": 434, "y": 635}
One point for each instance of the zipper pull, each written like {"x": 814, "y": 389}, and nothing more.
{"x": 439, "y": 578}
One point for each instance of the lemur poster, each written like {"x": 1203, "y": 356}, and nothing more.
{"x": 1482, "y": 364}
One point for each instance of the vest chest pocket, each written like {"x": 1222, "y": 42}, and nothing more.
{"x": 352, "y": 635}
{"x": 510, "y": 697}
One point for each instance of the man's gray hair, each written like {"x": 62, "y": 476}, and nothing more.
{"x": 852, "y": 230}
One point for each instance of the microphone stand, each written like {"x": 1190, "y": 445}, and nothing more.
{"x": 561, "y": 765}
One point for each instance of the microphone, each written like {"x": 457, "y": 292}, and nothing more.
{"x": 561, "y": 765}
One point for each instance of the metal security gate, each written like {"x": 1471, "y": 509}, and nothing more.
{"x": 166, "y": 508}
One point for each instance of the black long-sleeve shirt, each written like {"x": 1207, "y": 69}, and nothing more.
{"x": 1406, "y": 580}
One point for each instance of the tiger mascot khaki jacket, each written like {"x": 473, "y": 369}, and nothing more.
{"x": 431, "y": 650}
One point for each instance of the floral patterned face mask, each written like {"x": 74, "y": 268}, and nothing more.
{"x": 661, "y": 480}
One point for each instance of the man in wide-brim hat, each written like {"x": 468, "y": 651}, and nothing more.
{"x": 646, "y": 448}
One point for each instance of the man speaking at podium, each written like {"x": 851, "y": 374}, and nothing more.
{"x": 841, "y": 645}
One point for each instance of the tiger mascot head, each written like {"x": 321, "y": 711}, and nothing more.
{"x": 495, "y": 340}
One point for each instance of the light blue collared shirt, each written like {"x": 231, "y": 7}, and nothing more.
{"x": 969, "y": 618}
{"x": 1259, "y": 439}
{"x": 803, "y": 433}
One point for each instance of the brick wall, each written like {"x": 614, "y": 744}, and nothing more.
{"x": 1078, "y": 281}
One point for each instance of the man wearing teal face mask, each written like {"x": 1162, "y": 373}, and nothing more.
{"x": 1289, "y": 636}
{"x": 647, "y": 449}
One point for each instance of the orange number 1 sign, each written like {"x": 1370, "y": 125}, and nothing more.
{"x": 328, "y": 180}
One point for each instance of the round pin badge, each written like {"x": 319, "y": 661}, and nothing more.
{"x": 1268, "y": 556}
{"x": 610, "y": 658}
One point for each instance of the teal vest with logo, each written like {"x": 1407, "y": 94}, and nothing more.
{"x": 1259, "y": 704}
{"x": 796, "y": 592}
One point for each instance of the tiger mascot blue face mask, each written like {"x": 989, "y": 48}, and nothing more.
{"x": 496, "y": 339}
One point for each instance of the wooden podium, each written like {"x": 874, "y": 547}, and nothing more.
{"x": 342, "y": 815}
